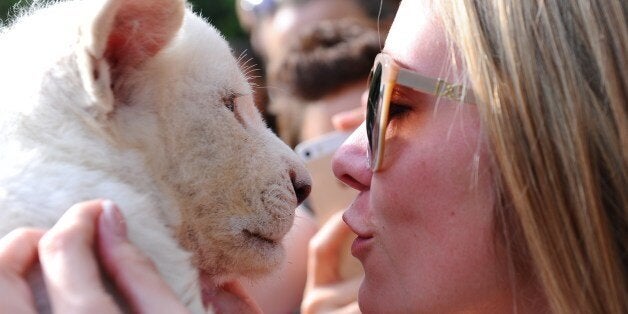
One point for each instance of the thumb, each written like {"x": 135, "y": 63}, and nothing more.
{"x": 132, "y": 272}
{"x": 325, "y": 252}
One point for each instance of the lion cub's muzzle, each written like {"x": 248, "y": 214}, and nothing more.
{"x": 302, "y": 187}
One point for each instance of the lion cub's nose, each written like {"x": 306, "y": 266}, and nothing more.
{"x": 301, "y": 185}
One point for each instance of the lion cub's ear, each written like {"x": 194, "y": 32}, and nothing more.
{"x": 117, "y": 35}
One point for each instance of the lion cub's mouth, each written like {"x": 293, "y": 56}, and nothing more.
{"x": 259, "y": 237}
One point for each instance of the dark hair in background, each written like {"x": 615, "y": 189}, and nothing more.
{"x": 382, "y": 9}
{"x": 327, "y": 57}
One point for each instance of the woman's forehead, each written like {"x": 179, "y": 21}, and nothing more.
{"x": 417, "y": 39}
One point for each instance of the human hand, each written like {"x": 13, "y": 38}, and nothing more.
{"x": 325, "y": 290}
{"x": 69, "y": 253}
{"x": 18, "y": 253}
{"x": 70, "y": 268}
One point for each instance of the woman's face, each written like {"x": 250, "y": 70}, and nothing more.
{"x": 425, "y": 221}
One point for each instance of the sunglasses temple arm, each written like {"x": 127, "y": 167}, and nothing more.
{"x": 433, "y": 86}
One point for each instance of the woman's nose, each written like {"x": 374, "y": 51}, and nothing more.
{"x": 350, "y": 164}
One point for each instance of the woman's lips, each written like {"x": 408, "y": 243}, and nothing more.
{"x": 363, "y": 243}
{"x": 360, "y": 247}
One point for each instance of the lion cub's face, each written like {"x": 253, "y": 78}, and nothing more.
{"x": 181, "y": 99}
{"x": 237, "y": 182}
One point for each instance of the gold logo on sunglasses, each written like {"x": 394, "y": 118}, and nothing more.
{"x": 451, "y": 91}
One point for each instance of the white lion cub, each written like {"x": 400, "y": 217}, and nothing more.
{"x": 141, "y": 102}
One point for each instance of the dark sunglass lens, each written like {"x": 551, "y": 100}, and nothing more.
{"x": 372, "y": 104}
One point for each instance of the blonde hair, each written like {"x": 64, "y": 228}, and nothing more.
{"x": 551, "y": 78}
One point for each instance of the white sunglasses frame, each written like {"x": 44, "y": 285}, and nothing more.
{"x": 393, "y": 74}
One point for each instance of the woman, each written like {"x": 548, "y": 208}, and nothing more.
{"x": 505, "y": 197}
{"x": 506, "y": 194}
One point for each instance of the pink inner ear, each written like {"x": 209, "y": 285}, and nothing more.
{"x": 139, "y": 32}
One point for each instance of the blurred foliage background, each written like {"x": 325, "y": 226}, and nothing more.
{"x": 221, "y": 13}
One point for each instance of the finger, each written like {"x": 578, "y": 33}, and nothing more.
{"x": 351, "y": 308}
{"x": 18, "y": 250}
{"x": 344, "y": 292}
{"x": 231, "y": 297}
{"x": 18, "y": 253}
{"x": 331, "y": 298}
{"x": 67, "y": 258}
{"x": 347, "y": 291}
{"x": 133, "y": 273}
{"x": 325, "y": 251}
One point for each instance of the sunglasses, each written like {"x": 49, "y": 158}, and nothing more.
{"x": 385, "y": 74}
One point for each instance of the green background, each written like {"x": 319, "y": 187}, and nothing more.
{"x": 221, "y": 13}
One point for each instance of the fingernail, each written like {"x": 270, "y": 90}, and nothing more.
{"x": 113, "y": 219}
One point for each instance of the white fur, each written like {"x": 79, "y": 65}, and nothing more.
{"x": 150, "y": 132}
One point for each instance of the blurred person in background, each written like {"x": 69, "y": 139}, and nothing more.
{"x": 317, "y": 55}
{"x": 273, "y": 23}
{"x": 324, "y": 71}
{"x": 333, "y": 43}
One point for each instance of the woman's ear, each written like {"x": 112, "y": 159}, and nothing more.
{"x": 118, "y": 35}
